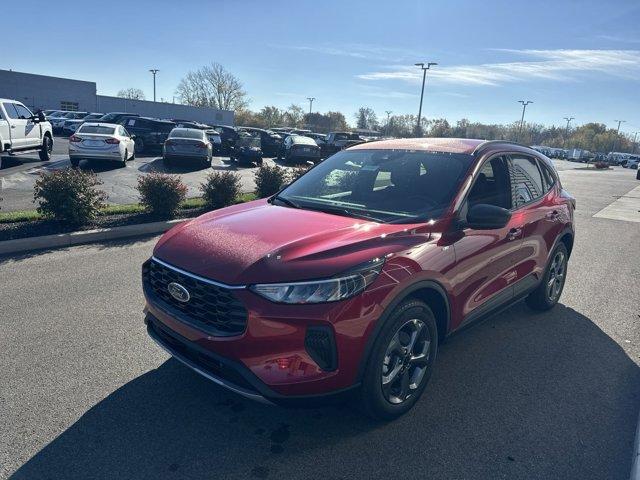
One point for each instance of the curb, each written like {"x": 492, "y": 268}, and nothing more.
{"x": 635, "y": 464}
{"x": 62, "y": 240}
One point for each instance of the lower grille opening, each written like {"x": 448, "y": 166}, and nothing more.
{"x": 321, "y": 346}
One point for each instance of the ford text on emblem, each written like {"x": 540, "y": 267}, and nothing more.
{"x": 178, "y": 292}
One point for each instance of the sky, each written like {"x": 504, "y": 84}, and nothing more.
{"x": 571, "y": 58}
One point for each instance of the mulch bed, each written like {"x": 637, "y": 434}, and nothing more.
{"x": 12, "y": 231}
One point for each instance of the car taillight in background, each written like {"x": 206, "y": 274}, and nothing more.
{"x": 112, "y": 141}
{"x": 74, "y": 139}
{"x": 202, "y": 145}
{"x": 169, "y": 142}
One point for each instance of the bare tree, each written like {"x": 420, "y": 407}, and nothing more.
{"x": 131, "y": 93}
{"x": 212, "y": 86}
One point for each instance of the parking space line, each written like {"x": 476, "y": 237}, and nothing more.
{"x": 625, "y": 208}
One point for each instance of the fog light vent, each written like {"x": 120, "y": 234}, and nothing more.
{"x": 321, "y": 346}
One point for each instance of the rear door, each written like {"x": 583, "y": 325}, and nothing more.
{"x": 5, "y": 129}
{"x": 16, "y": 125}
{"x": 534, "y": 204}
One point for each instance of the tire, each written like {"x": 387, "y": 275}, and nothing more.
{"x": 47, "y": 147}
{"x": 138, "y": 145}
{"x": 74, "y": 162}
{"x": 123, "y": 163}
{"x": 638, "y": 174}
{"x": 547, "y": 294}
{"x": 385, "y": 395}
{"x": 167, "y": 162}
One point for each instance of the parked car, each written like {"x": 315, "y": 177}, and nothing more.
{"x": 632, "y": 163}
{"x": 270, "y": 142}
{"x": 337, "y": 141}
{"x": 56, "y": 114}
{"x": 187, "y": 145}
{"x": 216, "y": 141}
{"x": 247, "y": 150}
{"x": 48, "y": 113}
{"x": 58, "y": 122}
{"x": 101, "y": 141}
{"x": 228, "y": 136}
{"x": 346, "y": 281}
{"x": 22, "y": 131}
{"x": 116, "y": 117}
{"x": 150, "y": 133}
{"x": 297, "y": 148}
{"x": 71, "y": 125}
{"x": 196, "y": 125}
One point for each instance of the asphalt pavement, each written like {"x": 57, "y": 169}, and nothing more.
{"x": 86, "y": 395}
{"x": 18, "y": 174}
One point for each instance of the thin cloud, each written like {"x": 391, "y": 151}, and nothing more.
{"x": 356, "y": 50}
{"x": 558, "y": 65}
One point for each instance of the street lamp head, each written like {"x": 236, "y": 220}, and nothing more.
{"x": 430, "y": 64}
{"x": 419, "y": 64}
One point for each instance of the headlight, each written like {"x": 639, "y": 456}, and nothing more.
{"x": 340, "y": 287}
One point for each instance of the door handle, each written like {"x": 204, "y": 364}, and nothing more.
{"x": 553, "y": 216}
{"x": 13, "y": 126}
{"x": 514, "y": 233}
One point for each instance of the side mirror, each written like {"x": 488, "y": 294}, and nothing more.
{"x": 41, "y": 116}
{"x": 487, "y": 217}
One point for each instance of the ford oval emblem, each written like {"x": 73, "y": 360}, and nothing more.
{"x": 178, "y": 292}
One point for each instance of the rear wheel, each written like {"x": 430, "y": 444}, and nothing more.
{"x": 47, "y": 148}
{"x": 138, "y": 145}
{"x": 167, "y": 162}
{"x": 401, "y": 362}
{"x": 123, "y": 163}
{"x": 74, "y": 162}
{"x": 547, "y": 294}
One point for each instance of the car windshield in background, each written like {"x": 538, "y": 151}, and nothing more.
{"x": 186, "y": 133}
{"x": 389, "y": 186}
{"x": 96, "y": 129}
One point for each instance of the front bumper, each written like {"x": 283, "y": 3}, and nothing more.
{"x": 274, "y": 356}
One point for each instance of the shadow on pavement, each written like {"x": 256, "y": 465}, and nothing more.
{"x": 520, "y": 396}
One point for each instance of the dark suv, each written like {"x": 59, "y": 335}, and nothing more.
{"x": 346, "y": 281}
{"x": 150, "y": 133}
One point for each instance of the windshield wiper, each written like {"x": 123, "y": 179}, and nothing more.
{"x": 286, "y": 201}
{"x": 344, "y": 212}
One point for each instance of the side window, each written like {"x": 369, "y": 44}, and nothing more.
{"x": 11, "y": 110}
{"x": 491, "y": 185}
{"x": 23, "y": 112}
{"x": 526, "y": 180}
{"x": 547, "y": 176}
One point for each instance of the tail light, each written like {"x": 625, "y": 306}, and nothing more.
{"x": 169, "y": 142}
{"x": 112, "y": 141}
{"x": 74, "y": 139}
{"x": 202, "y": 145}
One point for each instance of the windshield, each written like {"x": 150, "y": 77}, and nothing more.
{"x": 186, "y": 133}
{"x": 397, "y": 186}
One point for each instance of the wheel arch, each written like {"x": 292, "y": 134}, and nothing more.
{"x": 567, "y": 239}
{"x": 430, "y": 292}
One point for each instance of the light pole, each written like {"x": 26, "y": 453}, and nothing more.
{"x": 311, "y": 99}
{"x": 635, "y": 135}
{"x": 524, "y": 108}
{"x": 566, "y": 133}
{"x": 615, "y": 140}
{"x": 424, "y": 77}
{"x": 154, "y": 71}
{"x": 388, "y": 112}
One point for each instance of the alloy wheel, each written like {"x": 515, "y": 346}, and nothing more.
{"x": 556, "y": 278}
{"x": 406, "y": 361}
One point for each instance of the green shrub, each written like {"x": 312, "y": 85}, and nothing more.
{"x": 161, "y": 194}
{"x": 69, "y": 196}
{"x": 269, "y": 180}
{"x": 296, "y": 173}
{"x": 220, "y": 189}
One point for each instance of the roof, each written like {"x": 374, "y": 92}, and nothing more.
{"x": 449, "y": 145}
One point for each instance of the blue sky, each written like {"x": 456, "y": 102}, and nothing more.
{"x": 571, "y": 58}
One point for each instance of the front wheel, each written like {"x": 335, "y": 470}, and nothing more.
{"x": 401, "y": 362}
{"x": 47, "y": 148}
{"x": 547, "y": 294}
{"x": 138, "y": 145}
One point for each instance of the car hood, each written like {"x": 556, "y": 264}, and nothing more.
{"x": 258, "y": 242}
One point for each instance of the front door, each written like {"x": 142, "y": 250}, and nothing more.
{"x": 488, "y": 262}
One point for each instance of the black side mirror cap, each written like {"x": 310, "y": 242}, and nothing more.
{"x": 487, "y": 217}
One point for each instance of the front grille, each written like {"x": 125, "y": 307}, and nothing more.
{"x": 211, "y": 308}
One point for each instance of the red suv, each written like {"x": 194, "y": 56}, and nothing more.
{"x": 347, "y": 279}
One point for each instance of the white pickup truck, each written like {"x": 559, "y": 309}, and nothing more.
{"x": 21, "y": 130}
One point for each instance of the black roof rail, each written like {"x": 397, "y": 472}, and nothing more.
{"x": 490, "y": 142}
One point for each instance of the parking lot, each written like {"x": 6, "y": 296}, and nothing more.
{"x": 85, "y": 393}
{"x": 19, "y": 172}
